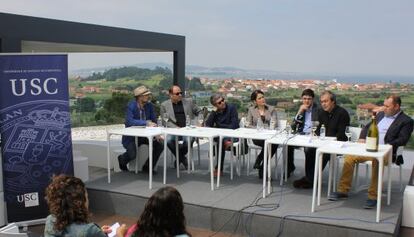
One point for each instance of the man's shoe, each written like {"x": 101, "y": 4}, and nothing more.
{"x": 302, "y": 183}
{"x": 370, "y": 203}
{"x": 335, "y": 196}
{"x": 122, "y": 164}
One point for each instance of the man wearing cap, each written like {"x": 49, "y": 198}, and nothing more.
{"x": 178, "y": 109}
{"x": 139, "y": 112}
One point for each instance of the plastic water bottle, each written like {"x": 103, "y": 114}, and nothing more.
{"x": 259, "y": 124}
{"x": 187, "y": 121}
{"x": 159, "y": 121}
{"x": 322, "y": 132}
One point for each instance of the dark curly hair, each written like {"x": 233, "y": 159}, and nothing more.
{"x": 163, "y": 215}
{"x": 67, "y": 200}
{"x": 254, "y": 94}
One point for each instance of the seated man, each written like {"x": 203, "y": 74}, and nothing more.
{"x": 224, "y": 116}
{"x": 178, "y": 109}
{"x": 140, "y": 112}
{"x": 394, "y": 128}
{"x": 335, "y": 119}
{"x": 302, "y": 124}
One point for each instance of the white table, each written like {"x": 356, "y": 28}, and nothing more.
{"x": 358, "y": 149}
{"x": 200, "y": 132}
{"x": 242, "y": 133}
{"x": 288, "y": 140}
{"x": 149, "y": 133}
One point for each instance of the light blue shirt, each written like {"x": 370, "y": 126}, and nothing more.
{"x": 307, "y": 127}
{"x": 383, "y": 126}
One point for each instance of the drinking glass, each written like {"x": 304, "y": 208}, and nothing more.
{"x": 200, "y": 120}
{"x": 348, "y": 133}
{"x": 315, "y": 125}
{"x": 247, "y": 123}
{"x": 165, "y": 117}
{"x": 272, "y": 124}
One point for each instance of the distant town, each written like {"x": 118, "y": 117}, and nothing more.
{"x": 100, "y": 98}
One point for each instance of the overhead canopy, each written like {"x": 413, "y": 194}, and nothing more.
{"x": 33, "y": 34}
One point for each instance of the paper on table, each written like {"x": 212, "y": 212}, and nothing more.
{"x": 336, "y": 144}
{"x": 114, "y": 227}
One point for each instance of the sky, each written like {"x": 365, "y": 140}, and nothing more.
{"x": 318, "y": 36}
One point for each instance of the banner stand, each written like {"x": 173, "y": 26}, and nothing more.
{"x": 35, "y": 131}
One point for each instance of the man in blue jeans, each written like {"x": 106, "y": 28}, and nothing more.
{"x": 140, "y": 112}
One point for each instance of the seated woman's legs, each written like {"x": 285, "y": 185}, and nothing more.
{"x": 259, "y": 159}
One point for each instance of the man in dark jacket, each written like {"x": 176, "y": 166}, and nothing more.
{"x": 394, "y": 128}
{"x": 224, "y": 116}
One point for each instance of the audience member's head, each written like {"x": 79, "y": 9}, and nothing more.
{"x": 67, "y": 200}
{"x": 163, "y": 215}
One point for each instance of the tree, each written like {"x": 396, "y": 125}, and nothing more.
{"x": 195, "y": 84}
{"x": 86, "y": 104}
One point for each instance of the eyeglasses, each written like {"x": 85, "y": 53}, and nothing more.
{"x": 178, "y": 93}
{"x": 220, "y": 101}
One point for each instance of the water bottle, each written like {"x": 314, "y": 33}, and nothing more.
{"x": 187, "y": 121}
{"x": 159, "y": 121}
{"x": 322, "y": 132}
{"x": 259, "y": 124}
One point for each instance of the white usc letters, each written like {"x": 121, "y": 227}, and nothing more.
{"x": 36, "y": 86}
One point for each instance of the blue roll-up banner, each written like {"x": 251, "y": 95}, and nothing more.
{"x": 35, "y": 130}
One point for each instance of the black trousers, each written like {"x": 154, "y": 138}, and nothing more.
{"x": 259, "y": 158}
{"x": 182, "y": 148}
{"x": 310, "y": 161}
{"x": 130, "y": 154}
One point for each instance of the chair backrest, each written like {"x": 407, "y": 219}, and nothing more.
{"x": 355, "y": 133}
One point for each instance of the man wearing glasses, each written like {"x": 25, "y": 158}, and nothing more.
{"x": 302, "y": 124}
{"x": 139, "y": 112}
{"x": 223, "y": 116}
{"x": 176, "y": 110}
